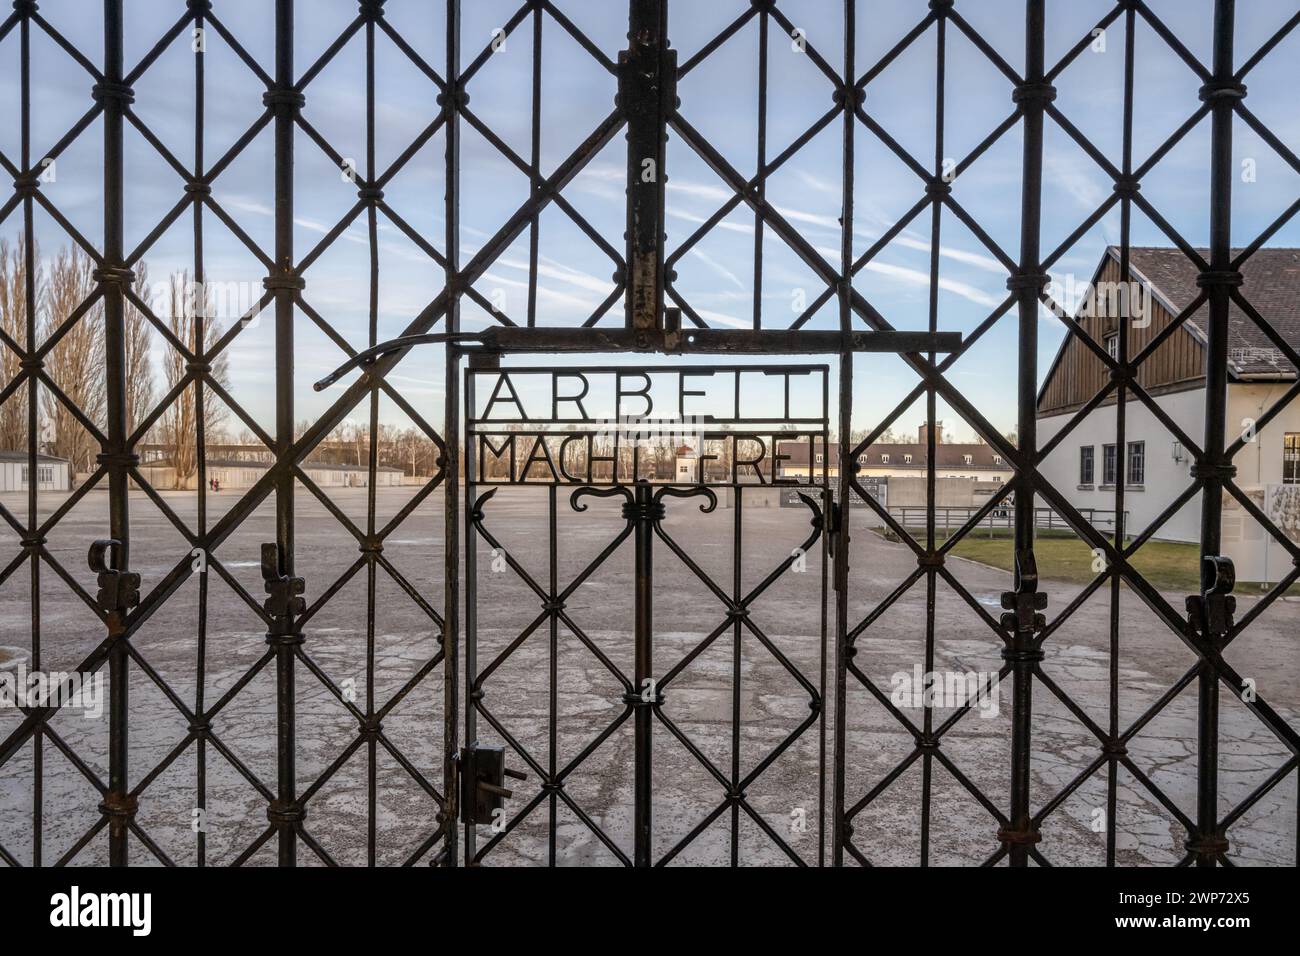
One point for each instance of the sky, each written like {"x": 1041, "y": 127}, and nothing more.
{"x": 719, "y": 98}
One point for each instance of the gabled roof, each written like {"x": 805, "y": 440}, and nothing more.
{"x": 1271, "y": 284}
{"x": 21, "y": 456}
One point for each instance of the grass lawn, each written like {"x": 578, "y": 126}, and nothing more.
{"x": 1169, "y": 565}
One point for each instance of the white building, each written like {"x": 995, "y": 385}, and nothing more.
{"x": 1154, "y": 466}
{"x": 51, "y": 473}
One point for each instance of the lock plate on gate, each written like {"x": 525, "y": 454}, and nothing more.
{"x": 483, "y": 775}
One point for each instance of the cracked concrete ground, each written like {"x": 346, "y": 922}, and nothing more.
{"x": 772, "y": 682}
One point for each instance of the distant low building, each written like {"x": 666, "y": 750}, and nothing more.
{"x": 237, "y": 474}
{"x": 52, "y": 474}
{"x": 970, "y": 461}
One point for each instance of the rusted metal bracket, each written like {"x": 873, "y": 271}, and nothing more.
{"x": 647, "y": 96}
{"x": 1210, "y": 613}
{"x": 285, "y": 601}
{"x": 483, "y": 774}
{"x": 119, "y": 590}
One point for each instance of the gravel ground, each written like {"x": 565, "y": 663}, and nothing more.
{"x": 777, "y": 815}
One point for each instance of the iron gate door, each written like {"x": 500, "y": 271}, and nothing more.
{"x": 718, "y": 510}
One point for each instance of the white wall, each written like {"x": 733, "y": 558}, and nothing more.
{"x": 11, "y": 476}
{"x": 1258, "y": 464}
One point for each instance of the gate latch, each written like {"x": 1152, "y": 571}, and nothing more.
{"x": 1210, "y": 613}
{"x": 483, "y": 775}
{"x": 834, "y": 520}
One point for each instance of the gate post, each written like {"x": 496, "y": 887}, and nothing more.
{"x": 642, "y": 512}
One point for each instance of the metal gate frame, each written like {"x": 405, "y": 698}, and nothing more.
{"x": 644, "y": 508}
{"x": 647, "y": 108}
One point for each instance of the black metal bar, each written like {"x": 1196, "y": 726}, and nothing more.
{"x": 201, "y": 725}
{"x": 1215, "y": 469}
{"x": 451, "y": 456}
{"x": 646, "y": 72}
{"x": 1113, "y": 749}
{"x": 471, "y": 606}
{"x": 33, "y": 538}
{"x": 645, "y": 692}
{"x": 837, "y": 537}
{"x": 285, "y": 102}
{"x": 1024, "y": 601}
{"x": 115, "y": 96}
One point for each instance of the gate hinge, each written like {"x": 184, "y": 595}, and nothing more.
{"x": 647, "y": 80}
{"x": 483, "y": 773}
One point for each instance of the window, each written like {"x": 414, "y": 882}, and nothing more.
{"x": 1291, "y": 458}
{"x": 45, "y": 474}
{"x": 968, "y": 459}
{"x": 1137, "y": 462}
{"x": 820, "y": 458}
{"x": 26, "y": 476}
{"x": 907, "y": 459}
{"x": 1109, "y": 465}
{"x": 1112, "y": 345}
{"x": 1086, "y": 463}
{"x": 997, "y": 459}
{"x": 884, "y": 459}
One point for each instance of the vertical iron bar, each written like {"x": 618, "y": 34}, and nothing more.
{"x": 737, "y": 647}
{"x": 844, "y": 467}
{"x": 1221, "y": 94}
{"x": 643, "y": 99}
{"x": 286, "y": 768}
{"x": 114, "y": 96}
{"x": 553, "y": 674}
{"x": 1113, "y": 747}
{"x": 372, "y": 492}
{"x": 30, "y": 267}
{"x": 471, "y": 600}
{"x": 760, "y": 181}
{"x": 1033, "y": 96}
{"x": 643, "y": 673}
{"x": 200, "y": 440}
{"x": 535, "y": 165}
{"x": 451, "y": 436}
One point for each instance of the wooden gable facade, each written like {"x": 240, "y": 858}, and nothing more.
{"x": 1077, "y": 373}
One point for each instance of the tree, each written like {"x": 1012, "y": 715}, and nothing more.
{"x": 76, "y": 363}
{"x": 190, "y": 309}
{"x": 13, "y": 320}
{"x": 139, "y": 368}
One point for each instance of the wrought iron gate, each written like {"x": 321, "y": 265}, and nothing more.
{"x": 647, "y": 111}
